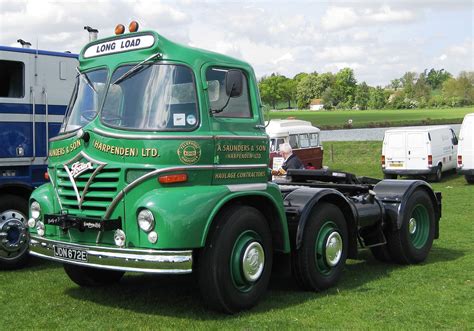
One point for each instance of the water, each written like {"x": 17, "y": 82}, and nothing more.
{"x": 366, "y": 134}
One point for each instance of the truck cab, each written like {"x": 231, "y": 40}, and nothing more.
{"x": 161, "y": 166}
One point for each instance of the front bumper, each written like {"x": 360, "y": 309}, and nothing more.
{"x": 124, "y": 259}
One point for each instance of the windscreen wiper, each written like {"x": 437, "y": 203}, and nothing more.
{"x": 137, "y": 68}
{"x": 88, "y": 81}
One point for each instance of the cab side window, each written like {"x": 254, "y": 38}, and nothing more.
{"x": 237, "y": 107}
{"x": 293, "y": 141}
{"x": 12, "y": 84}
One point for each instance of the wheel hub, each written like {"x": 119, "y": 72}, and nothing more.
{"x": 412, "y": 225}
{"x": 333, "y": 248}
{"x": 253, "y": 261}
{"x": 13, "y": 231}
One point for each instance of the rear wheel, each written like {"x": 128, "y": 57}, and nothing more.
{"x": 234, "y": 268}
{"x": 413, "y": 241}
{"x": 13, "y": 232}
{"x": 470, "y": 179}
{"x": 319, "y": 262}
{"x": 90, "y": 277}
{"x": 438, "y": 175}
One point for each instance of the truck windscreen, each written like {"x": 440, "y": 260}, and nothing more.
{"x": 159, "y": 97}
{"x": 85, "y": 100}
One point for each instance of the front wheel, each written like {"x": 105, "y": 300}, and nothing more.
{"x": 413, "y": 241}
{"x": 235, "y": 266}
{"x": 13, "y": 232}
{"x": 319, "y": 262}
{"x": 91, "y": 277}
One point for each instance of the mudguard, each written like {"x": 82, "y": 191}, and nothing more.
{"x": 394, "y": 194}
{"x": 300, "y": 203}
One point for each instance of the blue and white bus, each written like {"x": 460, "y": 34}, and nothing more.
{"x": 35, "y": 87}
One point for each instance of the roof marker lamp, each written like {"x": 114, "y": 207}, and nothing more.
{"x": 133, "y": 26}
{"x": 119, "y": 29}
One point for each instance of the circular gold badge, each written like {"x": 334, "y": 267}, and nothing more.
{"x": 189, "y": 152}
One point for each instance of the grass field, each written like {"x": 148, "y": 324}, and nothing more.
{"x": 377, "y": 118}
{"x": 438, "y": 293}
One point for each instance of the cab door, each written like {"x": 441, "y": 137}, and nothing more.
{"x": 241, "y": 144}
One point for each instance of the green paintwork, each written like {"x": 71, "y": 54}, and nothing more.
{"x": 422, "y": 231}
{"x": 185, "y": 211}
{"x": 320, "y": 247}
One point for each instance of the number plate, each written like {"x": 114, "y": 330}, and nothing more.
{"x": 70, "y": 253}
{"x": 396, "y": 164}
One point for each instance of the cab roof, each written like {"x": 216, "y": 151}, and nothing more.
{"x": 170, "y": 51}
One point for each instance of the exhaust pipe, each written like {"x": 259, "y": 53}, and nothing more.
{"x": 24, "y": 44}
{"x": 92, "y": 33}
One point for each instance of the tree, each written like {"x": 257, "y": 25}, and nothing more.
{"x": 344, "y": 87}
{"x": 395, "y": 83}
{"x": 436, "y": 78}
{"x": 362, "y": 96}
{"x": 408, "y": 82}
{"x": 459, "y": 91}
{"x": 377, "y": 98}
{"x": 272, "y": 89}
{"x": 289, "y": 90}
{"x": 421, "y": 89}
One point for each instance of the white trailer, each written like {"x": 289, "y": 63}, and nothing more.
{"x": 466, "y": 148}
{"x": 426, "y": 151}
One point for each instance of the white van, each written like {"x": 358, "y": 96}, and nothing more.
{"x": 466, "y": 148}
{"x": 425, "y": 151}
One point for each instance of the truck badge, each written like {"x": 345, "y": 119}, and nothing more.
{"x": 80, "y": 167}
{"x": 189, "y": 152}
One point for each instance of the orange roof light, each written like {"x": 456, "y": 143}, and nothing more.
{"x": 119, "y": 29}
{"x": 133, "y": 27}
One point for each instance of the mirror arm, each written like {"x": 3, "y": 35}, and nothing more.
{"x": 217, "y": 111}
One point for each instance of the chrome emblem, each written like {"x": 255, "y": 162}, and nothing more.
{"x": 79, "y": 167}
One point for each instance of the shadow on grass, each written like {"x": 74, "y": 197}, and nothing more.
{"x": 178, "y": 296}
{"x": 34, "y": 264}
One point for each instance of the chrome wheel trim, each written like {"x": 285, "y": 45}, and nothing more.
{"x": 412, "y": 225}
{"x": 333, "y": 248}
{"x": 253, "y": 261}
{"x": 13, "y": 232}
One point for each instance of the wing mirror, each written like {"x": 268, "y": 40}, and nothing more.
{"x": 233, "y": 83}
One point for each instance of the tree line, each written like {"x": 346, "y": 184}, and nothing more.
{"x": 428, "y": 89}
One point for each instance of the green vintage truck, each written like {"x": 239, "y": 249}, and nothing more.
{"x": 161, "y": 166}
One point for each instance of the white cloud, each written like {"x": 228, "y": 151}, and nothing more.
{"x": 337, "y": 18}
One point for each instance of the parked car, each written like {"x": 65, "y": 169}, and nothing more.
{"x": 427, "y": 151}
{"x": 303, "y": 138}
{"x": 466, "y": 148}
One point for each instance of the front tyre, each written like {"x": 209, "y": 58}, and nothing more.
{"x": 235, "y": 266}
{"x": 13, "y": 232}
{"x": 412, "y": 242}
{"x": 319, "y": 262}
{"x": 92, "y": 277}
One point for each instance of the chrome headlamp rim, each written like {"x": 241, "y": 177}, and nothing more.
{"x": 146, "y": 220}
{"x": 35, "y": 209}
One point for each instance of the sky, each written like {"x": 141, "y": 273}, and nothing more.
{"x": 379, "y": 40}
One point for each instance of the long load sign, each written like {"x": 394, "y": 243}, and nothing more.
{"x": 120, "y": 45}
